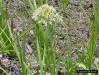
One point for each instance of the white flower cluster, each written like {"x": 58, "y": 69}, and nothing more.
{"x": 47, "y": 14}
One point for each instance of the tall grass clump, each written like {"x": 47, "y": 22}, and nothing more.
{"x": 96, "y": 23}
{"x": 93, "y": 38}
{"x": 46, "y": 18}
{"x": 5, "y": 32}
{"x": 87, "y": 58}
{"x": 8, "y": 43}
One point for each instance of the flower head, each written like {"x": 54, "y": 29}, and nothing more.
{"x": 47, "y": 14}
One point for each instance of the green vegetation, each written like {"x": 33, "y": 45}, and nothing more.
{"x": 64, "y": 4}
{"x": 6, "y": 30}
{"x": 45, "y": 20}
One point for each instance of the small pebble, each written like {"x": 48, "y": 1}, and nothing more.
{"x": 0, "y": 55}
